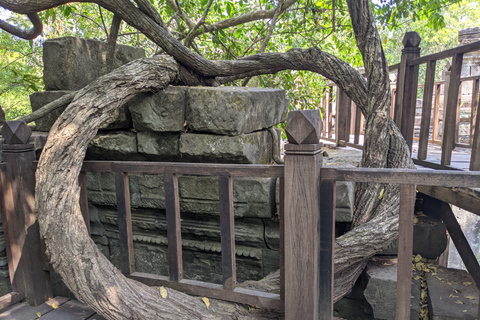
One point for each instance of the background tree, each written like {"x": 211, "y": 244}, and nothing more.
{"x": 376, "y": 217}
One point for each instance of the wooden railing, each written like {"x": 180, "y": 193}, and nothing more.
{"x": 307, "y": 215}
{"x": 348, "y": 118}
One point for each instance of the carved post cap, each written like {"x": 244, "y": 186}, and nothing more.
{"x": 304, "y": 127}
{"x": 16, "y": 132}
{"x": 411, "y": 39}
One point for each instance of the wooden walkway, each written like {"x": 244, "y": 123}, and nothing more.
{"x": 58, "y": 308}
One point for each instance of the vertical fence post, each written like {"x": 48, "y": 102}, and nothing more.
{"x": 21, "y": 230}
{"x": 303, "y": 161}
{"x": 407, "y": 82}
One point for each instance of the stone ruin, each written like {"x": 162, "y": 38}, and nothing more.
{"x": 183, "y": 124}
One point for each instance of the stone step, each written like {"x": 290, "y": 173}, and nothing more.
{"x": 452, "y": 295}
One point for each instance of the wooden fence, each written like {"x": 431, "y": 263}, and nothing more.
{"x": 349, "y": 120}
{"x": 307, "y": 215}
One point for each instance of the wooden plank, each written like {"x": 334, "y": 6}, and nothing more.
{"x": 330, "y": 112}
{"x": 227, "y": 232}
{"x": 426, "y": 110}
{"x": 127, "y": 258}
{"x": 407, "y": 123}
{"x": 302, "y": 237}
{"x": 194, "y": 169}
{"x": 82, "y": 181}
{"x": 324, "y": 113}
{"x": 10, "y": 299}
{"x": 358, "y": 120}
{"x": 461, "y": 243}
{"x": 457, "y": 115}
{"x": 460, "y": 197}
{"x": 475, "y": 157}
{"x": 214, "y": 291}
{"x": 70, "y": 310}
{"x": 23, "y": 311}
{"x": 348, "y": 119}
{"x": 174, "y": 234}
{"x": 327, "y": 243}
{"x": 405, "y": 251}
{"x": 392, "y": 106}
{"x": 436, "y": 112}
{"x": 446, "y": 54}
{"x": 341, "y": 117}
{"x": 445, "y": 178}
{"x": 448, "y": 140}
{"x": 20, "y": 225}
{"x": 474, "y": 108}
{"x": 281, "y": 218}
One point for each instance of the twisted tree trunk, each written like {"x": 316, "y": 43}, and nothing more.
{"x": 90, "y": 275}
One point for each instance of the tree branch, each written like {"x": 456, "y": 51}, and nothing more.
{"x": 191, "y": 33}
{"x": 27, "y": 35}
{"x": 112, "y": 41}
{"x": 146, "y": 7}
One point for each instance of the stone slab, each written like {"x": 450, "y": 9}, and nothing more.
{"x": 253, "y": 148}
{"x": 234, "y": 110}
{"x": 118, "y": 119}
{"x": 429, "y": 238}
{"x": 452, "y": 295}
{"x": 71, "y": 63}
{"x": 159, "y": 146}
{"x": 163, "y": 111}
{"x": 381, "y": 291}
{"x": 118, "y": 146}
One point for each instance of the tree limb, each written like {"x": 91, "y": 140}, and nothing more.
{"x": 191, "y": 33}
{"x": 112, "y": 41}
{"x": 27, "y": 35}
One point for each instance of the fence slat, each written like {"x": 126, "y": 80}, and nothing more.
{"x": 457, "y": 116}
{"x": 448, "y": 142}
{"x": 341, "y": 117}
{"x": 330, "y": 112}
{"x": 436, "y": 112}
{"x": 227, "y": 230}
{"x": 172, "y": 207}
{"x": 475, "y": 157}
{"x": 405, "y": 251}
{"x": 281, "y": 222}
{"x": 358, "y": 120}
{"x": 426, "y": 110}
{"x": 327, "y": 242}
{"x": 82, "y": 181}
{"x": 474, "y": 108}
{"x": 126, "y": 259}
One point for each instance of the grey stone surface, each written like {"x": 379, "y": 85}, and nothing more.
{"x": 118, "y": 119}
{"x": 381, "y": 291}
{"x": 248, "y": 148}
{"x": 163, "y": 111}
{"x": 253, "y": 197}
{"x": 344, "y": 201}
{"x": 71, "y": 63}
{"x": 452, "y": 295}
{"x": 429, "y": 238}
{"x": 121, "y": 145}
{"x": 159, "y": 146}
{"x": 234, "y": 110}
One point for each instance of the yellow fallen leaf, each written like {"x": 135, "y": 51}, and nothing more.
{"x": 39, "y": 314}
{"x": 464, "y": 310}
{"x": 163, "y": 292}
{"x": 467, "y": 283}
{"x": 452, "y": 296}
{"x": 415, "y": 220}
{"x": 206, "y": 301}
{"x": 417, "y": 258}
{"x": 456, "y": 291}
{"x": 417, "y": 278}
{"x": 470, "y": 297}
{"x": 380, "y": 196}
{"x": 458, "y": 302}
{"x": 54, "y": 306}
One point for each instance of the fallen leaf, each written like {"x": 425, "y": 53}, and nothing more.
{"x": 459, "y": 302}
{"x": 470, "y": 297}
{"x": 467, "y": 283}
{"x": 452, "y": 296}
{"x": 380, "y": 196}
{"x": 206, "y": 301}
{"x": 163, "y": 292}
{"x": 417, "y": 258}
{"x": 464, "y": 310}
{"x": 456, "y": 291}
{"x": 417, "y": 278}
{"x": 39, "y": 314}
{"x": 415, "y": 220}
{"x": 54, "y": 306}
